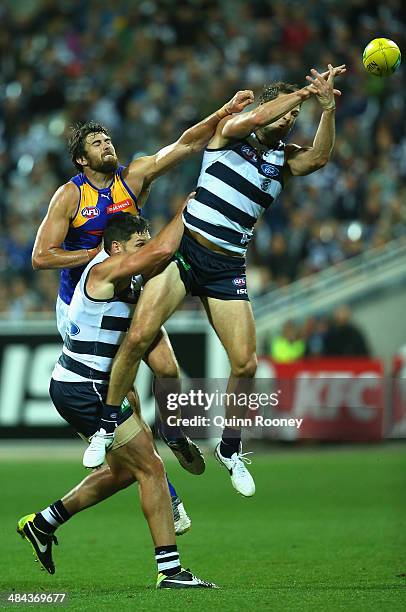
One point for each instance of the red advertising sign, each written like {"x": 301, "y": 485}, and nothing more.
{"x": 336, "y": 398}
{"x": 397, "y": 418}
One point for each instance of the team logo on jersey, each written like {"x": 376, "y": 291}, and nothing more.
{"x": 269, "y": 170}
{"x": 239, "y": 282}
{"x": 118, "y": 206}
{"x": 90, "y": 212}
{"x": 249, "y": 153}
{"x": 266, "y": 184}
{"x": 72, "y": 328}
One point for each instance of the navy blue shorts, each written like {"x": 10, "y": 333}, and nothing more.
{"x": 80, "y": 404}
{"x": 208, "y": 274}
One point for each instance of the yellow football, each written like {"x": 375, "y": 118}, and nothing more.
{"x": 381, "y": 57}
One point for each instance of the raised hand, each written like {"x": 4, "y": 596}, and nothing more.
{"x": 239, "y": 101}
{"x": 337, "y": 70}
{"x": 323, "y": 88}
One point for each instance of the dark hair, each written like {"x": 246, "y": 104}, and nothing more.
{"x": 121, "y": 227}
{"x": 79, "y": 132}
{"x": 271, "y": 91}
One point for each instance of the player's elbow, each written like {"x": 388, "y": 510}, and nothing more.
{"x": 322, "y": 161}
{"x": 38, "y": 261}
{"x": 258, "y": 118}
{"x": 197, "y": 145}
{"x": 190, "y": 143}
{"x": 317, "y": 163}
{"x": 242, "y": 125}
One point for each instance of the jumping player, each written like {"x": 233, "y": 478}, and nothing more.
{"x": 71, "y": 232}
{"x": 99, "y": 314}
{"x": 243, "y": 171}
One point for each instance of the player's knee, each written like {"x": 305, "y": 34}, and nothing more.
{"x": 167, "y": 369}
{"x": 125, "y": 479}
{"x": 152, "y": 467}
{"x": 245, "y": 367}
{"x": 139, "y": 337}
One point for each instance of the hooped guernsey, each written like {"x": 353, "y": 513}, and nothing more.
{"x": 237, "y": 184}
{"x": 95, "y": 330}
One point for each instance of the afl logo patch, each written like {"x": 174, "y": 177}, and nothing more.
{"x": 248, "y": 152}
{"x": 90, "y": 212}
{"x": 72, "y": 328}
{"x": 269, "y": 170}
{"x": 239, "y": 282}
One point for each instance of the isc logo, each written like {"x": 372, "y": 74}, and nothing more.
{"x": 90, "y": 212}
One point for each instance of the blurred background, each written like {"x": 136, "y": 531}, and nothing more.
{"x": 326, "y": 274}
{"x": 327, "y": 265}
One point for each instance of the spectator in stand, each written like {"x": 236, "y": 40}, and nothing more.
{"x": 344, "y": 338}
{"x": 315, "y": 330}
{"x": 280, "y": 262}
{"x": 288, "y": 346}
{"x": 159, "y": 65}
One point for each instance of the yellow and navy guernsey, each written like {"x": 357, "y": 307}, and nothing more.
{"x": 95, "y": 206}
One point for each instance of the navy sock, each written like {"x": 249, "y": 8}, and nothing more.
{"x": 171, "y": 432}
{"x": 230, "y": 442}
{"x": 162, "y": 389}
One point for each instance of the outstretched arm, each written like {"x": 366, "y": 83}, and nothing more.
{"x": 147, "y": 260}
{"x": 241, "y": 126}
{"x": 142, "y": 171}
{"x": 47, "y": 252}
{"x": 305, "y": 160}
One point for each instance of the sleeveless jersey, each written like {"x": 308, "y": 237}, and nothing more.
{"x": 236, "y": 185}
{"x": 94, "y": 333}
{"x": 86, "y": 228}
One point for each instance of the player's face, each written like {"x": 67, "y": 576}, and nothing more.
{"x": 100, "y": 154}
{"x": 136, "y": 242}
{"x": 278, "y": 130}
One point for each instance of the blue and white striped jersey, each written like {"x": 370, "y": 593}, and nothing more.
{"x": 236, "y": 185}
{"x": 94, "y": 333}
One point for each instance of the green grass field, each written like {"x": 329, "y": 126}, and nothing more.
{"x": 325, "y": 531}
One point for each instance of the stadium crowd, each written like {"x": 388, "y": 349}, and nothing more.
{"x": 320, "y": 336}
{"x": 150, "y": 69}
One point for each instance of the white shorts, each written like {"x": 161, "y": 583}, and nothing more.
{"x": 61, "y": 316}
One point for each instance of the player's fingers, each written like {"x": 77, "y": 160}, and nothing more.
{"x": 247, "y": 99}
{"x": 336, "y": 92}
{"x": 312, "y": 89}
{"x": 330, "y": 78}
{"x": 317, "y": 76}
{"x": 314, "y": 82}
{"x": 337, "y": 70}
{"x": 246, "y": 93}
